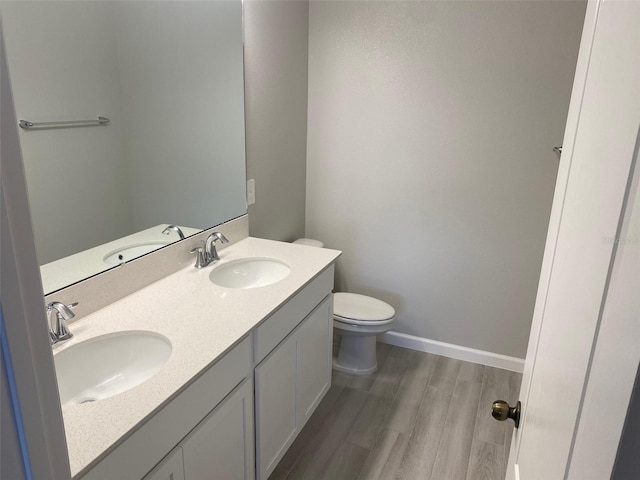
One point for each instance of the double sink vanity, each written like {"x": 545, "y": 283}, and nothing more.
{"x": 172, "y": 372}
{"x": 206, "y": 373}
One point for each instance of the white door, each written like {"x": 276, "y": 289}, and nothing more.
{"x": 570, "y": 427}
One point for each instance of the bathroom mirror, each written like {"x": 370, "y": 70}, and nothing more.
{"x": 168, "y": 76}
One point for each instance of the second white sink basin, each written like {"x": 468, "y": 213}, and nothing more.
{"x": 110, "y": 364}
{"x": 249, "y": 273}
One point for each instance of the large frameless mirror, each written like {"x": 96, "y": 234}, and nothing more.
{"x": 162, "y": 152}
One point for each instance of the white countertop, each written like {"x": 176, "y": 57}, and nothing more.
{"x": 202, "y": 321}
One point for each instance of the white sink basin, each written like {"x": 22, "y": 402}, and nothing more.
{"x": 249, "y": 273}
{"x": 124, "y": 254}
{"x": 110, "y": 364}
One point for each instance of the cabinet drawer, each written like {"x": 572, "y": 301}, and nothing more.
{"x": 285, "y": 319}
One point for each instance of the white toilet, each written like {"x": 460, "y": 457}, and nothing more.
{"x": 358, "y": 319}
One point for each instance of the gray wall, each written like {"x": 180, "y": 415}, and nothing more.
{"x": 429, "y": 157}
{"x": 276, "y": 36}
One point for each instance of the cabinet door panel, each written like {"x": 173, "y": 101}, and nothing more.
{"x": 221, "y": 447}
{"x": 314, "y": 359}
{"x": 171, "y": 468}
{"x": 275, "y": 405}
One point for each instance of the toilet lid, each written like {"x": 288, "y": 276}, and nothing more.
{"x": 353, "y": 306}
{"x": 310, "y": 242}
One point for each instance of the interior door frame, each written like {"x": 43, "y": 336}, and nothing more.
{"x": 44, "y": 446}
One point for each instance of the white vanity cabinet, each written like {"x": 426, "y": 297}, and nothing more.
{"x": 293, "y": 378}
{"x": 237, "y": 419}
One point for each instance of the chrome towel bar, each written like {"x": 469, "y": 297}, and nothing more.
{"x": 26, "y": 124}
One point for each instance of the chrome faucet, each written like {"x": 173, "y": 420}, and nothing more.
{"x": 174, "y": 228}
{"x": 57, "y": 315}
{"x": 207, "y": 254}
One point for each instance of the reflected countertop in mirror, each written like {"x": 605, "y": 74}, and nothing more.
{"x": 169, "y": 76}
{"x": 61, "y": 273}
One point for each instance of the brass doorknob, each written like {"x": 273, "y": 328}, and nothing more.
{"x": 501, "y": 411}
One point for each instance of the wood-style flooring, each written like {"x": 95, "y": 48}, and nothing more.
{"x": 420, "y": 416}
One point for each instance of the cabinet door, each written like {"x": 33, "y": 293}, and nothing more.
{"x": 290, "y": 383}
{"x": 170, "y": 468}
{"x": 314, "y": 359}
{"x": 275, "y": 405}
{"x": 221, "y": 447}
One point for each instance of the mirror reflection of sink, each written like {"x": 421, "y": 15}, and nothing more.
{"x": 124, "y": 254}
{"x": 249, "y": 273}
{"x": 104, "y": 366}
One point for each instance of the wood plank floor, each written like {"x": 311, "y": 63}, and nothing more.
{"x": 420, "y": 416}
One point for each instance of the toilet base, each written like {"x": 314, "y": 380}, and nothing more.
{"x": 357, "y": 355}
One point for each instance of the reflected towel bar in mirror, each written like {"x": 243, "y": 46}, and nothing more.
{"x": 64, "y": 123}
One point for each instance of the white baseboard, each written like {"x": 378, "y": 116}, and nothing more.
{"x": 453, "y": 351}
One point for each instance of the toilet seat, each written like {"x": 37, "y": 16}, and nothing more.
{"x": 362, "y": 323}
{"x": 355, "y": 309}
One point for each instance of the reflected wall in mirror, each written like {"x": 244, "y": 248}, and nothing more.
{"x": 169, "y": 77}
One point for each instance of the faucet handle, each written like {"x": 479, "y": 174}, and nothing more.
{"x": 201, "y": 261}
{"x": 219, "y": 236}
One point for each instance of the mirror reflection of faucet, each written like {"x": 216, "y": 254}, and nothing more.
{"x": 173, "y": 228}
{"x": 57, "y": 315}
